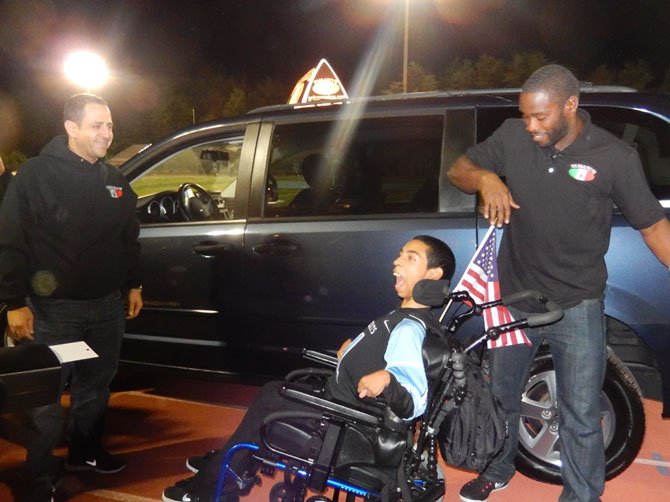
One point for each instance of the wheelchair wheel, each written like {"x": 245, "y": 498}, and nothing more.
{"x": 279, "y": 493}
{"x": 440, "y": 476}
{"x": 318, "y": 498}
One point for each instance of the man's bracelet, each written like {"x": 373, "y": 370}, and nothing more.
{"x": 137, "y": 288}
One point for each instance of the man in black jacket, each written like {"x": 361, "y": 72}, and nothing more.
{"x": 68, "y": 254}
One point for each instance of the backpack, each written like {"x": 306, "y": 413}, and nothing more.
{"x": 472, "y": 432}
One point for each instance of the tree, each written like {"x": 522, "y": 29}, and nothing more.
{"x": 459, "y": 74}
{"x": 173, "y": 112}
{"x": 418, "y": 80}
{"x": 602, "y": 76}
{"x": 236, "y": 104}
{"x": 522, "y": 66}
{"x": 489, "y": 72}
{"x": 269, "y": 91}
{"x": 636, "y": 74}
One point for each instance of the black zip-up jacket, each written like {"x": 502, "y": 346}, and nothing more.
{"x": 68, "y": 229}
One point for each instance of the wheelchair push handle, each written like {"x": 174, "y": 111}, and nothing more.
{"x": 553, "y": 311}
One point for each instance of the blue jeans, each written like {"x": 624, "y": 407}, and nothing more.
{"x": 100, "y": 323}
{"x": 578, "y": 347}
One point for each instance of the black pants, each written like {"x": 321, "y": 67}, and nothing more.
{"x": 268, "y": 401}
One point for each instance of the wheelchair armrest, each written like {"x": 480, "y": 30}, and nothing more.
{"x": 341, "y": 411}
{"x": 320, "y": 357}
{"x": 320, "y": 374}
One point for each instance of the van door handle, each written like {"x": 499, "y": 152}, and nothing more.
{"x": 275, "y": 248}
{"x": 211, "y": 248}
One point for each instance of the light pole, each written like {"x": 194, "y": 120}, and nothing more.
{"x": 405, "y": 50}
{"x": 86, "y": 70}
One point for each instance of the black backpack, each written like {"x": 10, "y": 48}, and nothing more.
{"x": 472, "y": 432}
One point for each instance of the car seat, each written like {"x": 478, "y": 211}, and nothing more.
{"x": 319, "y": 195}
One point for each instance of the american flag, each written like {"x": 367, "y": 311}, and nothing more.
{"x": 480, "y": 279}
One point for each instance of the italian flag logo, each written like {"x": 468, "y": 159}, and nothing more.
{"x": 115, "y": 192}
{"x": 581, "y": 172}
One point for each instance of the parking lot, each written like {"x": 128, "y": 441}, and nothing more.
{"x": 155, "y": 423}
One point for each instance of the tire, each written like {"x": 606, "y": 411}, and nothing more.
{"x": 622, "y": 415}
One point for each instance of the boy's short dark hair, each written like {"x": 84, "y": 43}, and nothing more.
{"x": 439, "y": 255}
{"x": 74, "y": 106}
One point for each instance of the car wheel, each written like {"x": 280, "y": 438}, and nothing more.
{"x": 622, "y": 418}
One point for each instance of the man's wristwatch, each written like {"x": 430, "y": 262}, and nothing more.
{"x": 137, "y": 288}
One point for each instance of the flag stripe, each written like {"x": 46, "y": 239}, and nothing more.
{"x": 480, "y": 279}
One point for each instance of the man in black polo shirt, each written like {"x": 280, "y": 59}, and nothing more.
{"x": 562, "y": 176}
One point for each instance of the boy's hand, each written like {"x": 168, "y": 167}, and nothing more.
{"x": 373, "y": 384}
{"x": 341, "y": 350}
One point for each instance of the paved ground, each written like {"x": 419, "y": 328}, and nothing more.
{"x": 156, "y": 427}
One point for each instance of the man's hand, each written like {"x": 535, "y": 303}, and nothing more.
{"x": 135, "y": 303}
{"x": 373, "y": 384}
{"x": 497, "y": 201}
{"x": 20, "y": 323}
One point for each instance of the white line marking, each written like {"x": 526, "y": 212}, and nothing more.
{"x": 657, "y": 463}
{"x": 121, "y": 497}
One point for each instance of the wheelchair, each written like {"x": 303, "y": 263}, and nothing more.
{"x": 339, "y": 450}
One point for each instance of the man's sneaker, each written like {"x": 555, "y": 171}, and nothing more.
{"x": 196, "y": 463}
{"x": 479, "y": 489}
{"x": 187, "y": 490}
{"x": 102, "y": 462}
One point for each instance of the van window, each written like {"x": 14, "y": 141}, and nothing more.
{"x": 379, "y": 165}
{"x": 648, "y": 134}
{"x": 209, "y": 169}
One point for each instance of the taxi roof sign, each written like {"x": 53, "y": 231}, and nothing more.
{"x": 318, "y": 84}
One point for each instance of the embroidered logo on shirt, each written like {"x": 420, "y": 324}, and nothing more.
{"x": 582, "y": 172}
{"x": 115, "y": 192}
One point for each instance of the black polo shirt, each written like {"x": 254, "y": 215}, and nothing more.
{"x": 557, "y": 240}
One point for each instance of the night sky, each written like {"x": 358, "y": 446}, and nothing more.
{"x": 147, "y": 42}
{"x": 284, "y": 38}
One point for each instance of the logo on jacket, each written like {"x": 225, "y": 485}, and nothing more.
{"x": 582, "y": 172}
{"x": 115, "y": 192}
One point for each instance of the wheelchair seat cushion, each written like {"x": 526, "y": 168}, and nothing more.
{"x": 297, "y": 436}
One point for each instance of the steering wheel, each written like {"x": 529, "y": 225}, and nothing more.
{"x": 195, "y": 202}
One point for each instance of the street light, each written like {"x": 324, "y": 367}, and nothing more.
{"x": 405, "y": 50}
{"x": 86, "y": 69}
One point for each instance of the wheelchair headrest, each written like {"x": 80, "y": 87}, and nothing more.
{"x": 431, "y": 292}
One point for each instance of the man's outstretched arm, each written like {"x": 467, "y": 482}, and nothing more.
{"x": 657, "y": 238}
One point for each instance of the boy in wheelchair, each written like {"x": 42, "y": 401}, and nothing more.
{"x": 384, "y": 362}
